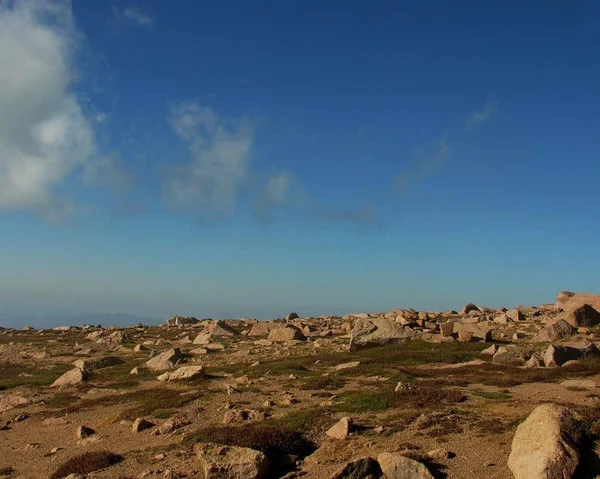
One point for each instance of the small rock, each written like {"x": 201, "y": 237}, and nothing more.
{"x": 342, "y": 429}
{"x": 141, "y": 424}
{"x": 396, "y": 466}
{"x": 84, "y": 431}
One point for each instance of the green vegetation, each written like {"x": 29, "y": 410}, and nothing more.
{"x": 501, "y": 396}
{"x": 319, "y": 383}
{"x": 431, "y": 395}
{"x": 13, "y": 375}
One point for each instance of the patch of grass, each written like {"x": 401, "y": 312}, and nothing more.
{"x": 319, "y": 383}
{"x": 6, "y": 471}
{"x": 494, "y": 426}
{"x": 500, "y": 396}
{"x": 384, "y": 399}
{"x": 86, "y": 463}
{"x": 61, "y": 399}
{"x": 163, "y": 415}
{"x": 145, "y": 402}
{"x": 504, "y": 376}
{"x": 14, "y": 375}
{"x": 308, "y": 421}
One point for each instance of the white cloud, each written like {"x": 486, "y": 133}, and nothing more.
{"x": 133, "y": 15}
{"x": 108, "y": 171}
{"x": 480, "y": 117}
{"x": 284, "y": 193}
{"x": 102, "y": 117}
{"x": 220, "y": 154}
{"x": 427, "y": 161}
{"x": 44, "y": 134}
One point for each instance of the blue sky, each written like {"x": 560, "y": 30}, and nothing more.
{"x": 251, "y": 158}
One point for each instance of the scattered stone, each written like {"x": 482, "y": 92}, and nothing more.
{"x": 164, "y": 361}
{"x": 84, "y": 431}
{"x": 286, "y": 333}
{"x": 515, "y": 315}
{"x": 141, "y": 424}
{"x": 71, "y": 378}
{"x": 377, "y": 332}
{"x": 441, "y": 454}
{"x": 342, "y": 429}
{"x": 493, "y": 349}
{"x": 350, "y": 365}
{"x": 10, "y": 401}
{"x": 184, "y": 372}
{"x": 97, "y": 363}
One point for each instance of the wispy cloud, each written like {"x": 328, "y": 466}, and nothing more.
{"x": 284, "y": 194}
{"x": 480, "y": 117}
{"x": 427, "y": 160}
{"x": 219, "y": 149}
{"x": 44, "y": 133}
{"x": 108, "y": 171}
{"x": 134, "y": 16}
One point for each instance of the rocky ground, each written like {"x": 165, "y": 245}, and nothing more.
{"x": 478, "y": 393}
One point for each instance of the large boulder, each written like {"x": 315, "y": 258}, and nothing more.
{"x": 220, "y": 328}
{"x": 542, "y": 447}
{"x": 557, "y": 355}
{"x": 582, "y": 316}
{"x": 184, "y": 372}
{"x": 396, "y": 466}
{"x": 164, "y": 361}
{"x": 468, "y": 308}
{"x": 286, "y": 333}
{"x": 377, "y": 332}
{"x": 511, "y": 355}
{"x": 568, "y": 301}
{"x": 230, "y": 462}
{"x": 71, "y": 378}
{"x": 262, "y": 328}
{"x": 554, "y": 331}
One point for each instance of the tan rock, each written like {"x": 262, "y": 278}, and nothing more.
{"x": 396, "y": 466}
{"x": 542, "y": 448}
{"x": 184, "y": 372}
{"x": 286, "y": 333}
{"x": 71, "y": 378}
{"x": 341, "y": 429}
{"x": 165, "y": 360}
{"x": 141, "y": 424}
{"x": 230, "y": 462}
